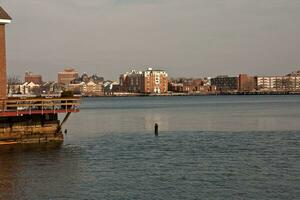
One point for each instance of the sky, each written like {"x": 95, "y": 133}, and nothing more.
{"x": 188, "y": 38}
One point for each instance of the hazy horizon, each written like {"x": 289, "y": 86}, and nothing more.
{"x": 192, "y": 38}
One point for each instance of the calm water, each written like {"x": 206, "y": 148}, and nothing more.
{"x": 230, "y": 147}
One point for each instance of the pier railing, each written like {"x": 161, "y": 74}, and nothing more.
{"x": 31, "y": 106}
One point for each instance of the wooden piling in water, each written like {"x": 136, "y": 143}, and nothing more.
{"x": 156, "y": 129}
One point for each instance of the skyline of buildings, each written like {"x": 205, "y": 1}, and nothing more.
{"x": 151, "y": 81}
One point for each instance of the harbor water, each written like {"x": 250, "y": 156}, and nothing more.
{"x": 209, "y": 147}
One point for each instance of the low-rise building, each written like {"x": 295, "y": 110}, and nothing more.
{"x": 87, "y": 85}
{"x": 225, "y": 83}
{"x": 30, "y": 88}
{"x": 34, "y": 78}
{"x": 291, "y": 82}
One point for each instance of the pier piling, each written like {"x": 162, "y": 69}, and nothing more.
{"x": 156, "y": 129}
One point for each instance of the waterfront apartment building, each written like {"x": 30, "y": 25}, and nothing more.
{"x": 34, "y": 78}
{"x": 4, "y": 19}
{"x": 225, "y": 83}
{"x": 247, "y": 83}
{"x": 149, "y": 81}
{"x": 132, "y": 82}
{"x": 290, "y": 82}
{"x": 65, "y": 77}
{"x": 155, "y": 81}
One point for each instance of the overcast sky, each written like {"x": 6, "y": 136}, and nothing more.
{"x": 192, "y": 38}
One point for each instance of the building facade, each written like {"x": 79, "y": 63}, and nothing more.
{"x": 155, "y": 81}
{"x": 132, "y": 82}
{"x": 225, "y": 83}
{"x": 290, "y": 82}
{"x": 247, "y": 83}
{"x": 34, "y": 78}
{"x": 148, "y": 82}
{"x": 65, "y": 77}
{"x": 87, "y": 85}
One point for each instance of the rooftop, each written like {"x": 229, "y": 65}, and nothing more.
{"x": 4, "y": 17}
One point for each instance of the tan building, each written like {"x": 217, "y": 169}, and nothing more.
{"x": 155, "y": 81}
{"x": 4, "y": 19}
{"x": 93, "y": 89}
{"x": 87, "y": 89}
{"x": 278, "y": 83}
{"x": 68, "y": 75}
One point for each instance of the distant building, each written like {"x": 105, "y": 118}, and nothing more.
{"x": 111, "y": 87}
{"x": 189, "y": 85}
{"x": 132, "y": 82}
{"x": 87, "y": 85}
{"x": 50, "y": 87}
{"x": 149, "y": 81}
{"x": 93, "y": 89}
{"x": 30, "y": 88}
{"x": 86, "y": 78}
{"x": 291, "y": 82}
{"x": 225, "y": 83}
{"x": 68, "y": 75}
{"x": 34, "y": 78}
{"x": 155, "y": 81}
{"x": 247, "y": 83}
{"x": 176, "y": 87}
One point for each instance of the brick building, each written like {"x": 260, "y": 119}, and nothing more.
{"x": 34, "y": 78}
{"x": 148, "y": 82}
{"x": 189, "y": 85}
{"x": 4, "y": 19}
{"x": 225, "y": 83}
{"x": 247, "y": 83}
{"x": 132, "y": 82}
{"x": 155, "y": 81}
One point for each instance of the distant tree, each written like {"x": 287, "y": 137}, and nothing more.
{"x": 13, "y": 80}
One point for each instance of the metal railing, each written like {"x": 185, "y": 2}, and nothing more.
{"x": 16, "y": 107}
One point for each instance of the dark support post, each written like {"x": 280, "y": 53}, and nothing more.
{"x": 156, "y": 129}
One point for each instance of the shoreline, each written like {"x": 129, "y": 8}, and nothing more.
{"x": 202, "y": 94}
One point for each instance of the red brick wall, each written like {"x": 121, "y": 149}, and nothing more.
{"x": 3, "y": 78}
{"x": 149, "y": 84}
{"x": 33, "y": 78}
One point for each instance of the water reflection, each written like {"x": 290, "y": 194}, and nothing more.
{"x": 29, "y": 170}
{"x": 138, "y": 115}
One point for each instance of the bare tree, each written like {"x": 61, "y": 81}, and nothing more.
{"x": 12, "y": 81}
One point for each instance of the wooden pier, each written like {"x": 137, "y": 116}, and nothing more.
{"x": 37, "y": 106}
{"x": 34, "y": 120}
